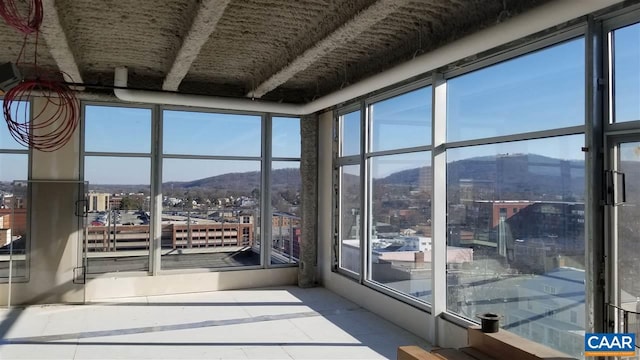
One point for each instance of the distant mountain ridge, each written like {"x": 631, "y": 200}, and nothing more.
{"x": 518, "y": 172}
{"x": 509, "y": 173}
{"x": 242, "y": 181}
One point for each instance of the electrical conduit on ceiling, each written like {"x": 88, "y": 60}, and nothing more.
{"x": 544, "y": 17}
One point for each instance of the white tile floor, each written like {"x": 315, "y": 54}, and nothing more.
{"x": 283, "y": 323}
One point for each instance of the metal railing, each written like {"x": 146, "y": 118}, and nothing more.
{"x": 622, "y": 320}
{"x": 285, "y": 235}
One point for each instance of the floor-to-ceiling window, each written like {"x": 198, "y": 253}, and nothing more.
{"x": 400, "y": 188}
{"x": 117, "y": 168}
{"x": 285, "y": 190}
{"x": 14, "y": 171}
{"x": 515, "y": 194}
{"x": 211, "y": 187}
{"x": 348, "y": 220}
{"x": 514, "y": 179}
{"x": 204, "y": 173}
{"x": 622, "y": 141}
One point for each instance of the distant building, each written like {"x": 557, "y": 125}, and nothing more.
{"x": 114, "y": 202}
{"x": 12, "y": 201}
{"x": 550, "y": 309}
{"x": 16, "y": 220}
{"x": 285, "y": 230}
{"x": 98, "y": 201}
{"x": 284, "y": 219}
{"x": 5, "y": 229}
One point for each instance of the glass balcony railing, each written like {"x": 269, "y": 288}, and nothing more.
{"x": 285, "y": 235}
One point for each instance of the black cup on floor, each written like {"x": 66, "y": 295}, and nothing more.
{"x": 490, "y": 323}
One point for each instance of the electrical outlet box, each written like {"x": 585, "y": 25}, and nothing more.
{"x": 9, "y": 76}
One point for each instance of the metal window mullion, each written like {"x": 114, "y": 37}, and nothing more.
{"x": 112, "y": 154}
{"x": 610, "y": 80}
{"x": 291, "y": 159}
{"x": 594, "y": 220}
{"x": 364, "y": 193}
{"x": 398, "y": 90}
{"x": 86, "y": 103}
{"x": 438, "y": 206}
{"x": 27, "y": 270}
{"x": 82, "y": 261}
{"x": 610, "y": 212}
{"x": 265, "y": 201}
{"x": 336, "y": 236}
{"x": 155, "y": 246}
{"x": 211, "y": 157}
{"x": 214, "y": 111}
{"x": 352, "y": 107}
{"x": 620, "y": 18}
{"x": 534, "y": 135}
{"x": 400, "y": 151}
{"x": 14, "y": 152}
{"x": 613, "y": 155}
{"x": 349, "y": 160}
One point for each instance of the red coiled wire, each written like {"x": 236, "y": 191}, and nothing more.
{"x": 27, "y": 20}
{"x": 54, "y": 124}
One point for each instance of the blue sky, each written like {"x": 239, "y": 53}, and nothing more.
{"x": 184, "y": 133}
{"x": 538, "y": 91}
{"x": 627, "y": 75}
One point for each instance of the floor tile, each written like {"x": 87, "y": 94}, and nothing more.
{"x": 278, "y": 323}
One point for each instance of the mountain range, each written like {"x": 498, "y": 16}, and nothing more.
{"x": 511, "y": 173}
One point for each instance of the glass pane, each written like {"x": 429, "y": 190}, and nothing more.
{"x": 350, "y": 134}
{"x": 402, "y": 121}
{"x": 197, "y": 133}
{"x": 285, "y": 137}
{"x": 210, "y": 214}
{"x": 285, "y": 202}
{"x": 19, "y": 112}
{"x": 350, "y": 218}
{"x": 401, "y": 188}
{"x": 628, "y": 229}
{"x": 117, "y": 129}
{"x": 538, "y": 91}
{"x": 626, "y": 70}
{"x": 13, "y": 215}
{"x": 516, "y": 236}
{"x": 119, "y": 214}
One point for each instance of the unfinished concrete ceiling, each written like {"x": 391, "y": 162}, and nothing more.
{"x": 282, "y": 50}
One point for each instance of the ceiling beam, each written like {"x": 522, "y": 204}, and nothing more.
{"x": 345, "y": 33}
{"x": 56, "y": 40}
{"x": 204, "y": 23}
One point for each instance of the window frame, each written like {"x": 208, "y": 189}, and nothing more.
{"x": 437, "y": 78}
{"x": 27, "y": 246}
{"x": 150, "y": 155}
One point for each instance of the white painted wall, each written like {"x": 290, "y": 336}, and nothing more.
{"x": 119, "y": 286}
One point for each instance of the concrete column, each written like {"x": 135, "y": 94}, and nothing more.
{"x": 325, "y": 196}
{"x": 309, "y": 201}
{"x": 54, "y": 230}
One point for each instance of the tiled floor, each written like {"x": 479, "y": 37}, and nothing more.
{"x": 283, "y": 323}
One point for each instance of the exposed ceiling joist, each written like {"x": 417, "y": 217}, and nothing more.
{"x": 204, "y": 23}
{"x": 347, "y": 32}
{"x": 56, "y": 39}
